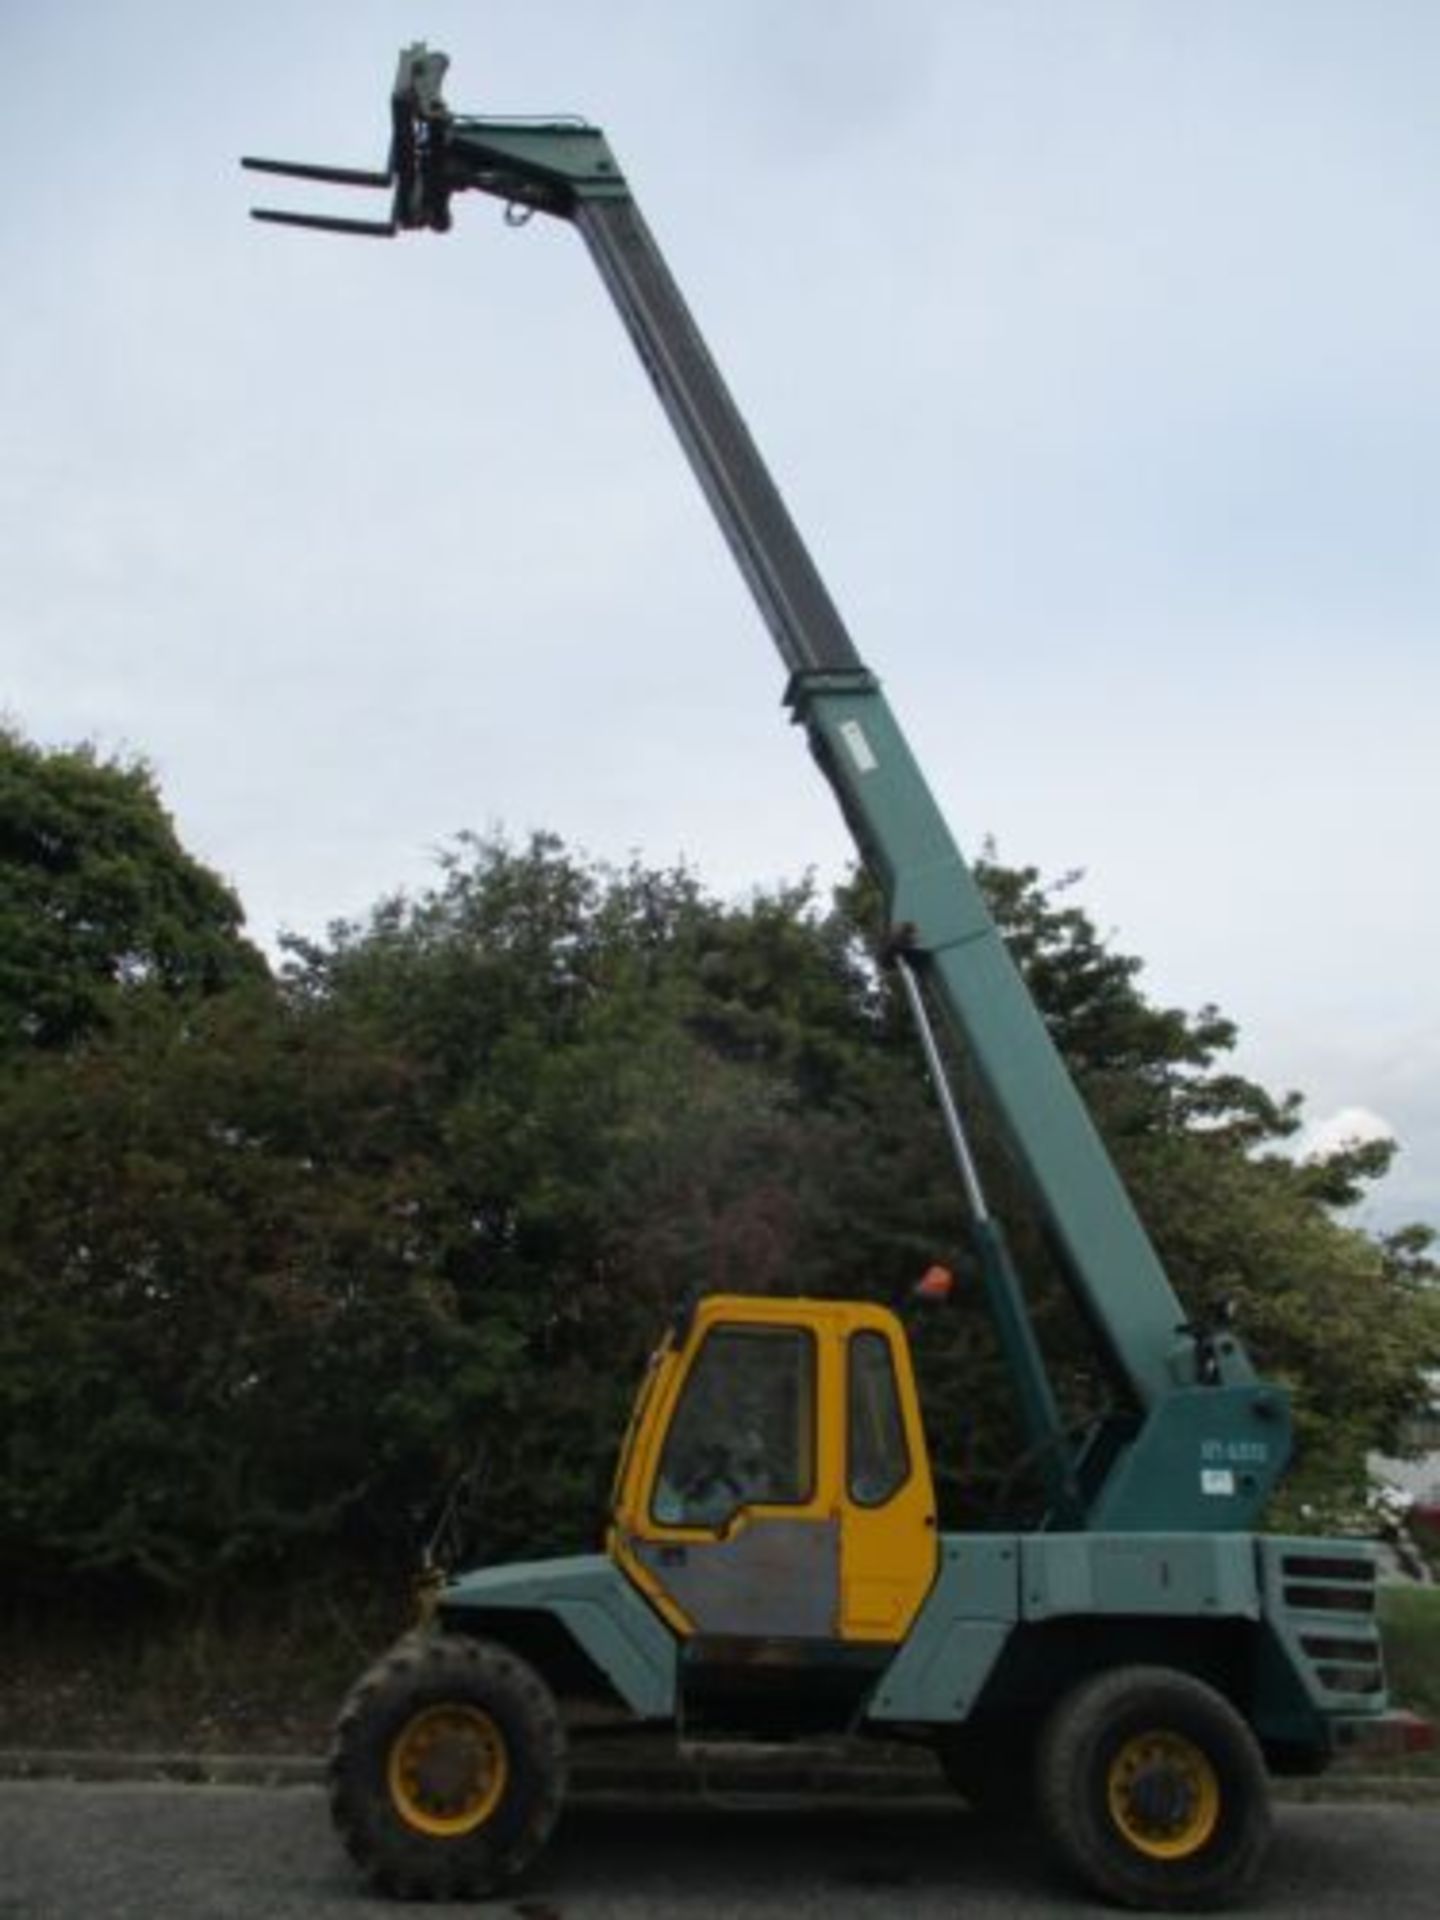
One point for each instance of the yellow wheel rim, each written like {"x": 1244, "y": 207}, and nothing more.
{"x": 447, "y": 1770}
{"x": 1164, "y": 1795}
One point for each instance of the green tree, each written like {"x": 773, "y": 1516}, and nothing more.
{"x": 226, "y": 1344}
{"x": 276, "y": 1260}
{"x": 98, "y": 899}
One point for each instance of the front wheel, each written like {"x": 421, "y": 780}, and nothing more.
{"x": 1153, "y": 1791}
{"x": 447, "y": 1769}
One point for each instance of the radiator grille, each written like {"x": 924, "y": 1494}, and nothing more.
{"x": 1331, "y": 1600}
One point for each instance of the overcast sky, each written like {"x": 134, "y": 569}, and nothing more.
{"x": 1094, "y": 345}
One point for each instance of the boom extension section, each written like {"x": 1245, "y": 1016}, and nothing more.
{"x": 1194, "y": 1392}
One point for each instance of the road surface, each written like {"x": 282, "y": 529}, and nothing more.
{"x": 149, "y": 1851}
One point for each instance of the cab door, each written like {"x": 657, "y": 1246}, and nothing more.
{"x": 739, "y": 1535}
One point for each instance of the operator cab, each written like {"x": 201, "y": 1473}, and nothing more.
{"x": 775, "y": 1491}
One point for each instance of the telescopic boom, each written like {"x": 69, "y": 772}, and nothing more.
{"x": 1190, "y": 1387}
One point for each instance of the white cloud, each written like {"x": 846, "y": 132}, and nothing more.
{"x": 1347, "y": 1127}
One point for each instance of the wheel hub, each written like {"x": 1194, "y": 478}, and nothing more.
{"x": 447, "y": 1770}
{"x": 1163, "y": 1795}
{"x": 1162, "y": 1799}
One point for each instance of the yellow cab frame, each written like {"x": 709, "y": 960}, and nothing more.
{"x": 831, "y": 1556}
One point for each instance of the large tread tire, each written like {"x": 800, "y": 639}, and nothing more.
{"x": 452, "y": 1680}
{"x": 1152, "y": 1791}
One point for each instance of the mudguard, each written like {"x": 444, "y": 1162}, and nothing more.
{"x": 588, "y": 1596}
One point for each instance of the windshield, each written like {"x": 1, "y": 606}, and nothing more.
{"x": 742, "y": 1433}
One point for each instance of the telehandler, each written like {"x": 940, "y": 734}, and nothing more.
{"x": 1128, "y": 1671}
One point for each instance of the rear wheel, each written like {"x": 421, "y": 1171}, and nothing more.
{"x": 1153, "y": 1791}
{"x": 447, "y": 1769}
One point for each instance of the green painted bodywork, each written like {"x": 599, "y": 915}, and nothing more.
{"x": 1307, "y": 1664}
{"x": 595, "y": 1604}
{"x": 958, "y": 1635}
{"x": 990, "y": 1585}
{"x": 574, "y": 159}
{"x": 1205, "y": 1459}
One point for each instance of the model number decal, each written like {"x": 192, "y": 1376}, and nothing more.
{"x": 1235, "y": 1453}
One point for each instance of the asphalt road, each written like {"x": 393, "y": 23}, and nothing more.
{"x": 230, "y": 1853}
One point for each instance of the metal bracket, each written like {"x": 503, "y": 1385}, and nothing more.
{"x": 546, "y": 166}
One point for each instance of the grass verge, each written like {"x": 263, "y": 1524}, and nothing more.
{"x": 267, "y": 1681}
{"x": 1410, "y": 1623}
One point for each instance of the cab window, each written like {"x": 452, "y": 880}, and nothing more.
{"x": 743, "y": 1431}
{"x": 878, "y": 1457}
